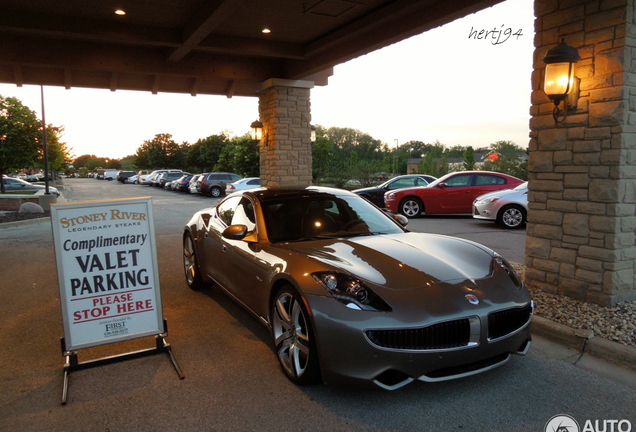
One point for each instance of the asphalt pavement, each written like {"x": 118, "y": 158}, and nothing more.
{"x": 232, "y": 379}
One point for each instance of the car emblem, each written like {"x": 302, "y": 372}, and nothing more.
{"x": 472, "y": 299}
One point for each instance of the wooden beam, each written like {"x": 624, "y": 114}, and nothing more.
{"x": 67, "y": 78}
{"x": 113, "y": 81}
{"x": 194, "y": 90}
{"x": 17, "y": 73}
{"x": 203, "y": 24}
{"x": 230, "y": 89}
{"x": 155, "y": 84}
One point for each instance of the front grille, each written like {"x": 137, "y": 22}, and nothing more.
{"x": 508, "y": 321}
{"x": 451, "y": 334}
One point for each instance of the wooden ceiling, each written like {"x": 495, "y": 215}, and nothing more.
{"x": 202, "y": 46}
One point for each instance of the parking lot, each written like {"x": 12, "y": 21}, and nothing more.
{"x": 233, "y": 381}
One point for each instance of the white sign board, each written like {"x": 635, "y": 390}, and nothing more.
{"x": 107, "y": 271}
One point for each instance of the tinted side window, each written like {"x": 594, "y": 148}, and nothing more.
{"x": 458, "y": 181}
{"x": 484, "y": 180}
{"x": 402, "y": 183}
{"x": 225, "y": 210}
{"x": 244, "y": 214}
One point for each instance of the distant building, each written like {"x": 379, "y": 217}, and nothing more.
{"x": 457, "y": 164}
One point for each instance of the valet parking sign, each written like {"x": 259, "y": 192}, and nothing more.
{"x": 107, "y": 271}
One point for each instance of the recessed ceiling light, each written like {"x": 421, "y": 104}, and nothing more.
{"x": 120, "y": 12}
{"x": 266, "y": 30}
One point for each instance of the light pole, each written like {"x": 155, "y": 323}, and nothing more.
{"x": 44, "y": 150}
{"x": 396, "y": 144}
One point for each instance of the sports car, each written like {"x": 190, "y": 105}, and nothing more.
{"x": 453, "y": 193}
{"x": 351, "y": 296}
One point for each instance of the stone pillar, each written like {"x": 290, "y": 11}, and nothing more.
{"x": 582, "y": 199}
{"x": 284, "y": 109}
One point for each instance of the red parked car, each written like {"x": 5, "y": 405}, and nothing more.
{"x": 451, "y": 194}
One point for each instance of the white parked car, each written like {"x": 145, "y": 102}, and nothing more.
{"x": 131, "y": 180}
{"x": 507, "y": 207}
{"x": 193, "y": 183}
{"x": 246, "y": 183}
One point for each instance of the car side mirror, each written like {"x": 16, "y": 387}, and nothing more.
{"x": 402, "y": 220}
{"x": 235, "y": 232}
{"x": 240, "y": 232}
{"x": 442, "y": 185}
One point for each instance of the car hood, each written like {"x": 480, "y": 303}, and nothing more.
{"x": 401, "y": 261}
{"x": 367, "y": 189}
{"x": 502, "y": 193}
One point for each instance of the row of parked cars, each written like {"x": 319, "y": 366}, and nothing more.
{"x": 484, "y": 194}
{"x": 214, "y": 184}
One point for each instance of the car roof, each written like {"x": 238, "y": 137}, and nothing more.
{"x": 267, "y": 194}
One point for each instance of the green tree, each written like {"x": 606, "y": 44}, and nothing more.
{"x": 241, "y": 156}
{"x": 509, "y": 160}
{"x": 469, "y": 159}
{"x": 205, "y": 153}
{"x": 20, "y": 136}
{"x": 160, "y": 152}
{"x": 322, "y": 156}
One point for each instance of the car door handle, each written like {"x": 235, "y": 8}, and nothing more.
{"x": 223, "y": 248}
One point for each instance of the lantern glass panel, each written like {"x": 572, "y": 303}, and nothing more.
{"x": 558, "y": 78}
{"x": 257, "y": 133}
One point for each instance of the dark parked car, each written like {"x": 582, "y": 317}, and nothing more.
{"x": 375, "y": 194}
{"x": 168, "y": 177}
{"x": 182, "y": 183}
{"x": 123, "y": 175}
{"x": 350, "y": 295}
{"x": 214, "y": 184}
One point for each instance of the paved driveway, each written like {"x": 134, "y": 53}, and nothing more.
{"x": 233, "y": 381}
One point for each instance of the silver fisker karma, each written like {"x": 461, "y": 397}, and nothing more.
{"x": 350, "y": 296}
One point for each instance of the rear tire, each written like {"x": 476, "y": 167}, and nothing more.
{"x": 215, "y": 192}
{"x": 411, "y": 207}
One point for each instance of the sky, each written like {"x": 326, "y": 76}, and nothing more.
{"x": 447, "y": 85}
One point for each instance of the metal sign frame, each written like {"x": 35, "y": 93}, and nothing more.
{"x": 108, "y": 277}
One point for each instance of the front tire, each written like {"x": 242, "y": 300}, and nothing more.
{"x": 190, "y": 264}
{"x": 293, "y": 338}
{"x": 411, "y": 207}
{"x": 512, "y": 216}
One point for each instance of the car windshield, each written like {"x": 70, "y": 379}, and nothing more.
{"x": 313, "y": 217}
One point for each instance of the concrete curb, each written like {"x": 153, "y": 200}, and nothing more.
{"x": 585, "y": 342}
{"x": 6, "y": 225}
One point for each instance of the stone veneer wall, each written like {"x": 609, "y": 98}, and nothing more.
{"x": 582, "y": 199}
{"x": 284, "y": 110}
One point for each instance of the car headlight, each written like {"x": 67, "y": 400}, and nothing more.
{"x": 350, "y": 291}
{"x": 390, "y": 196}
{"x": 487, "y": 201}
{"x": 498, "y": 260}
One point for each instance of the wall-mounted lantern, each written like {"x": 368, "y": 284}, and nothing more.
{"x": 313, "y": 134}
{"x": 560, "y": 83}
{"x": 257, "y": 131}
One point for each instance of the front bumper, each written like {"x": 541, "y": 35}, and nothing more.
{"x": 348, "y": 356}
{"x": 485, "y": 212}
